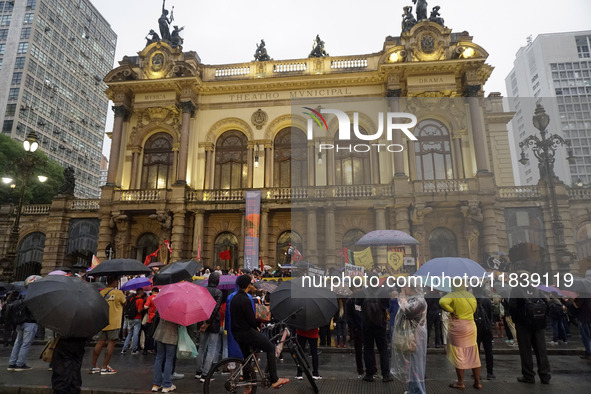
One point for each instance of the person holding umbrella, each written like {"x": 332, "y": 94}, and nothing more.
{"x": 245, "y": 330}
{"x": 166, "y": 337}
{"x": 115, "y": 298}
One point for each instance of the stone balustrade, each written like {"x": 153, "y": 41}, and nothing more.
{"x": 519, "y": 192}
{"x": 348, "y": 63}
{"x": 36, "y": 209}
{"x": 142, "y": 195}
{"x": 439, "y": 186}
{"x": 85, "y": 205}
{"x": 580, "y": 194}
{"x": 232, "y": 71}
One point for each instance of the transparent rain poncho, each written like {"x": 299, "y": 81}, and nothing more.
{"x": 409, "y": 339}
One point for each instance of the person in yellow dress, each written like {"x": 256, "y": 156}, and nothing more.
{"x": 462, "y": 348}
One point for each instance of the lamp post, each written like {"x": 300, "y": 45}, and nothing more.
{"x": 544, "y": 150}
{"x": 26, "y": 167}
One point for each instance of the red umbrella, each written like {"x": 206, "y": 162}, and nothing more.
{"x": 184, "y": 303}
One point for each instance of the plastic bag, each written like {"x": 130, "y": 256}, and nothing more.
{"x": 403, "y": 339}
{"x": 186, "y": 348}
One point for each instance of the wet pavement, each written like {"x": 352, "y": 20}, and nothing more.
{"x": 570, "y": 374}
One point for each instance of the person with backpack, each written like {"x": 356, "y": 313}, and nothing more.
{"x": 529, "y": 310}
{"x": 133, "y": 310}
{"x": 373, "y": 322}
{"x": 483, "y": 317}
{"x": 26, "y": 328}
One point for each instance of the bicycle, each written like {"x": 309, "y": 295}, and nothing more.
{"x": 232, "y": 374}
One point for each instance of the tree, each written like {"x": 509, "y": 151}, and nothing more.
{"x": 12, "y": 155}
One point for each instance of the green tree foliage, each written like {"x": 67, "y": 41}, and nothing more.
{"x": 12, "y": 155}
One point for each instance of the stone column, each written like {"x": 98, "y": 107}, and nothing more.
{"x": 198, "y": 232}
{"x": 380, "y": 222}
{"x": 121, "y": 113}
{"x": 264, "y": 234}
{"x": 330, "y": 165}
{"x": 268, "y": 165}
{"x": 178, "y": 236}
{"x": 208, "y": 179}
{"x": 312, "y": 237}
{"x": 491, "y": 241}
{"x": 136, "y": 152}
{"x": 457, "y": 140}
{"x": 329, "y": 230}
{"x": 105, "y": 235}
{"x": 311, "y": 165}
{"x": 250, "y": 165}
{"x": 188, "y": 109}
{"x": 394, "y": 95}
{"x": 477, "y": 128}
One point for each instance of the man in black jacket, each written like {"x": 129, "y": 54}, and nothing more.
{"x": 209, "y": 338}
{"x": 245, "y": 330}
{"x": 529, "y": 313}
{"x": 483, "y": 317}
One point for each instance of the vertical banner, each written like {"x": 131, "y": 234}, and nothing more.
{"x": 252, "y": 222}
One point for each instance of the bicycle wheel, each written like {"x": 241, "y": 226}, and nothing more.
{"x": 302, "y": 363}
{"x": 228, "y": 376}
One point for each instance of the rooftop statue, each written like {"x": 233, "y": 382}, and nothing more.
{"x": 69, "y": 182}
{"x": 152, "y": 37}
{"x": 164, "y": 22}
{"x": 175, "y": 39}
{"x": 318, "y": 48}
{"x": 408, "y": 19}
{"x": 435, "y": 17}
{"x": 261, "y": 54}
{"x": 421, "y": 9}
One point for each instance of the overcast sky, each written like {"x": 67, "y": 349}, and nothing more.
{"x": 227, "y": 32}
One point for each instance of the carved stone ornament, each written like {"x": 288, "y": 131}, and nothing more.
{"x": 428, "y": 43}
{"x": 259, "y": 118}
{"x": 157, "y": 62}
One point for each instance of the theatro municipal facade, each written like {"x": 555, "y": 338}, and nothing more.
{"x": 189, "y": 140}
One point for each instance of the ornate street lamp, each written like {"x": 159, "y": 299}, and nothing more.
{"x": 26, "y": 167}
{"x": 544, "y": 150}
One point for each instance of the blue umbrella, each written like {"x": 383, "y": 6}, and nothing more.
{"x": 386, "y": 237}
{"x": 136, "y": 283}
{"x": 451, "y": 266}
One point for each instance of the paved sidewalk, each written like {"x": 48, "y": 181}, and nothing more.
{"x": 570, "y": 374}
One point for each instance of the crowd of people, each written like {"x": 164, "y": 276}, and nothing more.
{"x": 400, "y": 327}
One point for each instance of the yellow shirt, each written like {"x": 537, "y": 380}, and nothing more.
{"x": 115, "y": 299}
{"x": 461, "y": 302}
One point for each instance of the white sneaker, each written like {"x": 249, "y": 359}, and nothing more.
{"x": 177, "y": 376}
{"x": 155, "y": 388}
{"x": 299, "y": 377}
{"x": 168, "y": 389}
{"x": 317, "y": 377}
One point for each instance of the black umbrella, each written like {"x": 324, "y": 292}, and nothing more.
{"x": 63, "y": 268}
{"x": 119, "y": 267}
{"x": 318, "y": 305}
{"x": 69, "y": 306}
{"x": 176, "y": 272}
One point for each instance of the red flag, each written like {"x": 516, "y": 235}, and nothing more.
{"x": 198, "y": 258}
{"x": 225, "y": 255}
{"x": 167, "y": 243}
{"x": 296, "y": 255}
{"x": 149, "y": 257}
{"x": 261, "y": 264}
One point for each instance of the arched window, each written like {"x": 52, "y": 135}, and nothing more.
{"x": 226, "y": 242}
{"x": 291, "y": 158}
{"x": 583, "y": 241}
{"x": 351, "y": 167}
{"x": 147, "y": 244}
{"x": 31, "y": 248}
{"x": 231, "y": 164}
{"x": 83, "y": 240}
{"x": 351, "y": 237}
{"x": 283, "y": 241}
{"x": 157, "y": 169}
{"x": 442, "y": 243}
{"x": 433, "y": 151}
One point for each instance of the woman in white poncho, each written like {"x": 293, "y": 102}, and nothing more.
{"x": 409, "y": 342}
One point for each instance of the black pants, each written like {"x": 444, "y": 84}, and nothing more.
{"x": 484, "y": 337}
{"x": 357, "y": 337}
{"x": 377, "y": 335}
{"x": 435, "y": 322}
{"x": 529, "y": 338}
{"x": 324, "y": 335}
{"x": 313, "y": 351}
{"x": 149, "y": 341}
{"x": 253, "y": 338}
{"x": 67, "y": 363}
{"x": 507, "y": 329}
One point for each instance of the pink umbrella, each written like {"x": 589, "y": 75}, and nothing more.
{"x": 58, "y": 272}
{"x": 184, "y": 303}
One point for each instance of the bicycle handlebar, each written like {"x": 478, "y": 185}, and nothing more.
{"x": 284, "y": 321}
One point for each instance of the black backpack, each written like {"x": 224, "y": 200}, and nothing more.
{"x": 556, "y": 310}
{"x": 373, "y": 312}
{"x": 130, "y": 310}
{"x": 16, "y": 312}
{"x": 535, "y": 312}
{"x": 481, "y": 319}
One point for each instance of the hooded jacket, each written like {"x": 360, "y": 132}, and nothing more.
{"x": 214, "y": 320}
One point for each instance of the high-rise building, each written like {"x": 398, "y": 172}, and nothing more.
{"x": 556, "y": 70}
{"x": 53, "y": 57}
